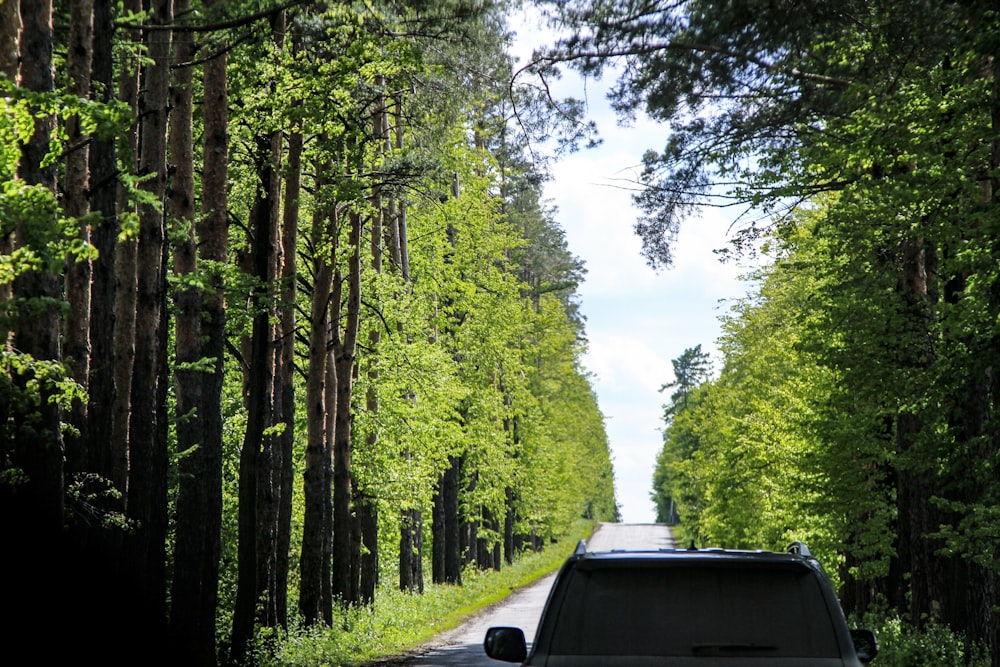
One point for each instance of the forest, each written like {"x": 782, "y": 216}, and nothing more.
{"x": 855, "y": 400}
{"x": 286, "y": 321}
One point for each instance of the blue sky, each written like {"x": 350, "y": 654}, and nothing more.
{"x": 638, "y": 319}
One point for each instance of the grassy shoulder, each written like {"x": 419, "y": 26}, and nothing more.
{"x": 400, "y": 622}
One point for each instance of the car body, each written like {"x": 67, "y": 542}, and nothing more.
{"x": 689, "y": 607}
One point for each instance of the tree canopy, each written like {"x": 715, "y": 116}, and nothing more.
{"x": 854, "y": 406}
{"x": 285, "y": 318}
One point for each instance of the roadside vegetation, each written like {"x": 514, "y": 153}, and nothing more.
{"x": 855, "y": 399}
{"x": 399, "y": 622}
{"x": 289, "y": 335}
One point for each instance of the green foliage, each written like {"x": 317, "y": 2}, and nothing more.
{"x": 856, "y": 404}
{"x": 902, "y": 645}
{"x": 478, "y": 352}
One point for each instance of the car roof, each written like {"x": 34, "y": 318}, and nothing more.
{"x": 796, "y": 553}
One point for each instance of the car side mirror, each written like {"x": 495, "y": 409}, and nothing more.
{"x": 507, "y": 644}
{"x": 865, "y": 645}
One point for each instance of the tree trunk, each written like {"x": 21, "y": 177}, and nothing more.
{"x": 127, "y": 276}
{"x": 286, "y": 373}
{"x": 331, "y": 428}
{"x": 917, "y": 518}
{"x": 452, "y": 523}
{"x": 411, "y": 537}
{"x": 367, "y": 512}
{"x": 345, "y": 345}
{"x": 258, "y": 403}
{"x": 508, "y": 527}
{"x": 38, "y": 444}
{"x": 438, "y": 544}
{"x": 192, "y": 623}
{"x": 32, "y": 512}
{"x": 103, "y": 199}
{"x": 316, "y": 483}
{"x": 411, "y": 552}
{"x": 98, "y": 548}
{"x": 10, "y": 41}
{"x": 148, "y": 459}
{"x": 495, "y": 551}
{"x": 199, "y": 504}
{"x": 272, "y": 464}
{"x": 76, "y": 347}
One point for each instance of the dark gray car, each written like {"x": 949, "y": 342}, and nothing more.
{"x": 677, "y": 608}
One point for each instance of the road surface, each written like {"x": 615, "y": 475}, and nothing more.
{"x": 464, "y": 645}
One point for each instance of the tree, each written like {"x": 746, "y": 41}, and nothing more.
{"x": 891, "y": 107}
{"x": 238, "y": 335}
{"x": 691, "y": 369}
{"x": 258, "y": 463}
{"x": 78, "y": 273}
{"x": 199, "y": 343}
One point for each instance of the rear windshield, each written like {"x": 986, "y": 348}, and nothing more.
{"x": 650, "y": 610}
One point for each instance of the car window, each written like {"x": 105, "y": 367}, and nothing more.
{"x": 655, "y": 610}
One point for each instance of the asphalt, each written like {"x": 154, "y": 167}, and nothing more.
{"x": 523, "y": 607}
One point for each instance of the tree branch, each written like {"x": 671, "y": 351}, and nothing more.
{"x": 223, "y": 25}
{"x": 646, "y": 49}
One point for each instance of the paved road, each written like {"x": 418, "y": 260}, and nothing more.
{"x": 464, "y": 645}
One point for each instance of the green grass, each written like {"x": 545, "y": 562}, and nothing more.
{"x": 400, "y": 622}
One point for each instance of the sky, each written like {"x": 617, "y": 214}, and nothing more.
{"x": 637, "y": 319}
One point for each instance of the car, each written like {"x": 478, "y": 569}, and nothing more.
{"x": 689, "y": 607}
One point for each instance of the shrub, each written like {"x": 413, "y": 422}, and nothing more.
{"x": 934, "y": 645}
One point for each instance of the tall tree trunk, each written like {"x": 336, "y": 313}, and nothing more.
{"x": 98, "y": 547}
{"x": 103, "y": 199}
{"x": 316, "y": 522}
{"x": 272, "y": 463}
{"x": 402, "y": 233}
{"x": 452, "y": 522}
{"x": 251, "y": 573}
{"x": 917, "y": 517}
{"x": 508, "y": 527}
{"x": 367, "y": 512}
{"x": 411, "y": 537}
{"x": 258, "y": 403}
{"x": 986, "y": 626}
{"x": 411, "y": 552}
{"x": 38, "y": 444}
{"x": 345, "y": 344}
{"x": 331, "y": 428}
{"x": 495, "y": 549}
{"x": 32, "y": 512}
{"x": 286, "y": 372}
{"x": 199, "y": 505}
{"x": 76, "y": 347}
{"x": 192, "y": 625}
{"x": 975, "y": 587}
{"x": 10, "y": 41}
{"x": 127, "y": 277}
{"x": 146, "y": 503}
{"x": 438, "y": 543}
